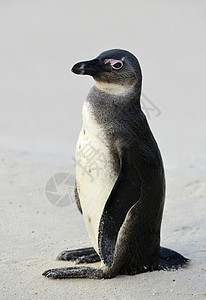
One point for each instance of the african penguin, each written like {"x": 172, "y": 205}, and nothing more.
{"x": 120, "y": 183}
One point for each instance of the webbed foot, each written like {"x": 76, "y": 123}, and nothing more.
{"x": 74, "y": 272}
{"x": 84, "y": 255}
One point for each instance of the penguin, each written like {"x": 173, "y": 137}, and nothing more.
{"x": 120, "y": 181}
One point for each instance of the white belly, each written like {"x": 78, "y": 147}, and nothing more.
{"x": 94, "y": 174}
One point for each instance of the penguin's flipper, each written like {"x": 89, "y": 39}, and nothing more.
{"x": 170, "y": 259}
{"x": 125, "y": 193}
{"x": 83, "y": 255}
{"x": 74, "y": 272}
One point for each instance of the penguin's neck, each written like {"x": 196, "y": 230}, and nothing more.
{"x": 114, "y": 88}
{"x": 100, "y": 99}
{"x": 108, "y": 108}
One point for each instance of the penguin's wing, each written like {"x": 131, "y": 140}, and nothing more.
{"x": 125, "y": 193}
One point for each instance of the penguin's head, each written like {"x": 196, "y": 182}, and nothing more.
{"x": 114, "y": 71}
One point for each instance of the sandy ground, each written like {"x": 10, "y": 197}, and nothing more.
{"x": 40, "y": 119}
{"x": 34, "y": 231}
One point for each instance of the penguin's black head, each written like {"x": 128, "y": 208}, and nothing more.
{"x": 113, "y": 70}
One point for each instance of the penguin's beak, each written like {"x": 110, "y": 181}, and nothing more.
{"x": 90, "y": 67}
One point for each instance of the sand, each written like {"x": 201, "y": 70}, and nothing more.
{"x": 34, "y": 231}
{"x": 40, "y": 119}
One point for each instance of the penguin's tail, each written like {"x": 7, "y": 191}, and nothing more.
{"x": 170, "y": 259}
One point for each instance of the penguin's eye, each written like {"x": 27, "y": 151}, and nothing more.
{"x": 114, "y": 63}
{"x": 118, "y": 65}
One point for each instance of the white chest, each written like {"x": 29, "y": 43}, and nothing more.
{"x": 94, "y": 173}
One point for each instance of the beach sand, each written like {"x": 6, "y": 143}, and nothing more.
{"x": 40, "y": 119}
{"x": 34, "y": 232}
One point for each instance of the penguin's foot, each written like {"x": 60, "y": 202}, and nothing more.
{"x": 84, "y": 255}
{"x": 89, "y": 259}
{"x": 74, "y": 272}
{"x": 170, "y": 259}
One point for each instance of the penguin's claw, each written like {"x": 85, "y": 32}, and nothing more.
{"x": 51, "y": 273}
